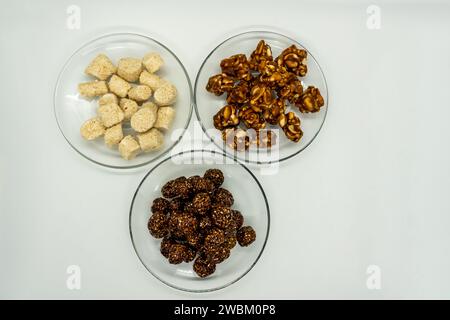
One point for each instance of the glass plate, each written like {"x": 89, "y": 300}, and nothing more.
{"x": 249, "y": 198}
{"x": 207, "y": 104}
{"x": 72, "y": 110}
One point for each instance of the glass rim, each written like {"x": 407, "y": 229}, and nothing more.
{"x": 266, "y": 202}
{"x": 233, "y": 152}
{"x": 93, "y": 40}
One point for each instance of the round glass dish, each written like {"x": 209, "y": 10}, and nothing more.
{"x": 239, "y": 180}
{"x": 207, "y": 104}
{"x": 72, "y": 110}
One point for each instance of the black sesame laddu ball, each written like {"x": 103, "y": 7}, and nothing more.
{"x": 222, "y": 217}
{"x": 238, "y": 219}
{"x": 215, "y": 176}
{"x": 177, "y": 253}
{"x": 216, "y": 254}
{"x": 245, "y": 236}
{"x": 214, "y": 236}
{"x": 182, "y": 224}
{"x": 157, "y": 225}
{"x": 160, "y": 205}
{"x": 199, "y": 184}
{"x": 223, "y": 197}
{"x": 230, "y": 240}
{"x": 180, "y": 187}
{"x": 201, "y": 203}
{"x": 203, "y": 267}
{"x": 166, "y": 243}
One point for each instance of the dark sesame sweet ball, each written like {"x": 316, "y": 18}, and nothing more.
{"x": 199, "y": 184}
{"x": 157, "y": 225}
{"x": 182, "y": 223}
{"x": 166, "y": 243}
{"x": 230, "y": 241}
{"x": 215, "y": 176}
{"x": 216, "y": 254}
{"x": 238, "y": 219}
{"x": 201, "y": 203}
{"x": 179, "y": 187}
{"x": 222, "y": 217}
{"x": 205, "y": 223}
{"x": 203, "y": 267}
{"x": 223, "y": 197}
{"x": 160, "y": 205}
{"x": 245, "y": 236}
{"x": 214, "y": 236}
{"x": 177, "y": 253}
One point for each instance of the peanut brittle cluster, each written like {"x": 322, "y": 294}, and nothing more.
{"x": 195, "y": 220}
{"x": 259, "y": 91}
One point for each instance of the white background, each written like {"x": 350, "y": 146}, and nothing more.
{"x": 373, "y": 188}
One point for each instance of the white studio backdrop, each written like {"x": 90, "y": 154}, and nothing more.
{"x": 363, "y": 212}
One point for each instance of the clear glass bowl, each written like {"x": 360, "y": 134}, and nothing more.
{"x": 72, "y": 110}
{"x": 249, "y": 197}
{"x": 207, "y": 104}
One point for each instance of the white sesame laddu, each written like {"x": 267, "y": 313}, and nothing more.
{"x": 119, "y": 86}
{"x": 165, "y": 95}
{"x": 140, "y": 93}
{"x": 151, "y": 140}
{"x": 129, "y": 107}
{"x": 164, "y": 118}
{"x": 129, "y": 69}
{"x": 92, "y": 129}
{"x": 101, "y": 67}
{"x": 113, "y": 135}
{"x": 152, "y": 62}
{"x": 129, "y": 148}
{"x": 143, "y": 119}
{"x": 92, "y": 89}
{"x": 110, "y": 114}
{"x": 152, "y": 80}
{"x": 108, "y": 98}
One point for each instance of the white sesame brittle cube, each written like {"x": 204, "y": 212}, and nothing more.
{"x": 110, "y": 114}
{"x": 108, "y": 98}
{"x": 92, "y": 129}
{"x": 113, "y": 135}
{"x": 129, "y": 69}
{"x": 165, "y": 95}
{"x": 144, "y": 118}
{"x": 92, "y": 89}
{"x": 140, "y": 93}
{"x": 151, "y": 140}
{"x": 152, "y": 80}
{"x": 101, "y": 67}
{"x": 119, "y": 86}
{"x": 129, "y": 148}
{"x": 129, "y": 107}
{"x": 164, "y": 118}
{"x": 152, "y": 62}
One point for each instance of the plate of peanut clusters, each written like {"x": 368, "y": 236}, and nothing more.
{"x": 123, "y": 100}
{"x": 199, "y": 221}
{"x": 261, "y": 97}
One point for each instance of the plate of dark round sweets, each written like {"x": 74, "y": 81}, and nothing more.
{"x": 199, "y": 221}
